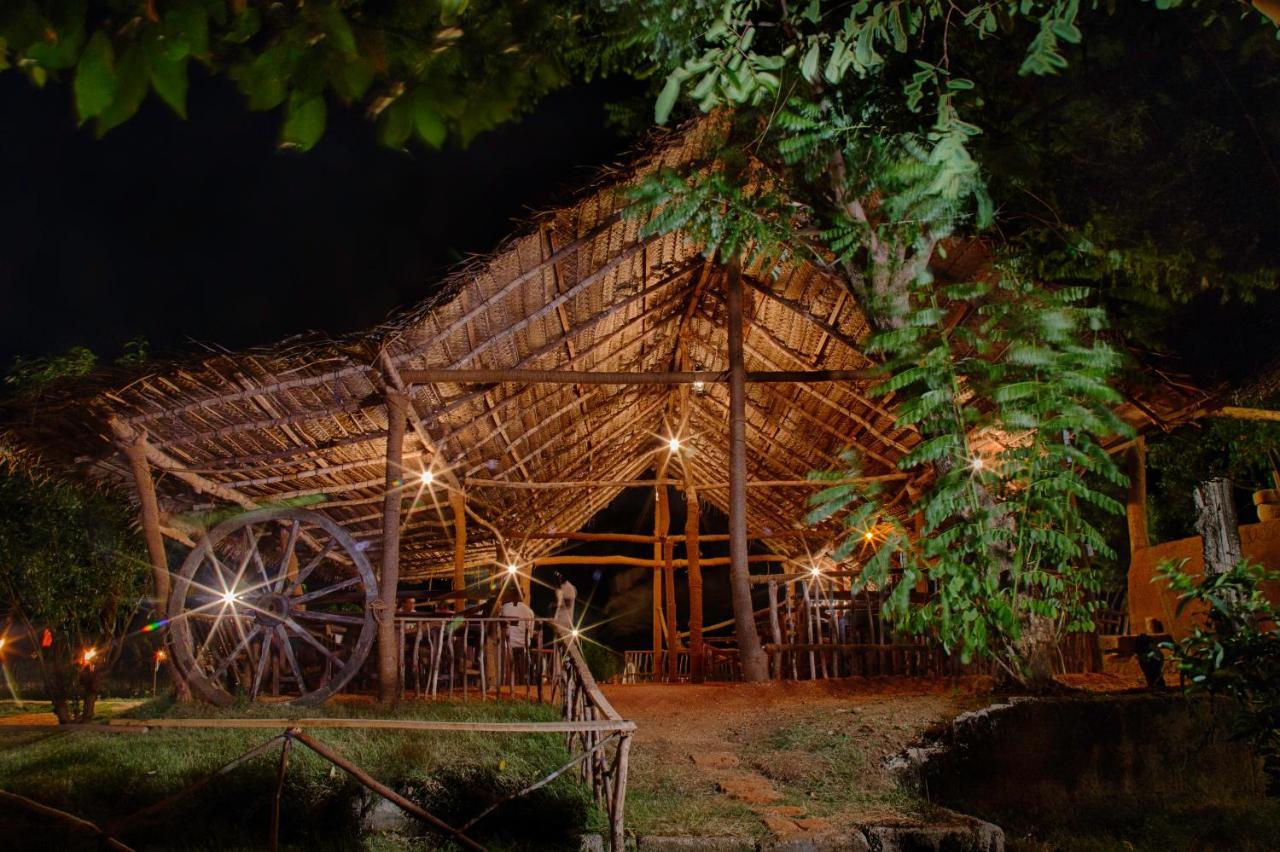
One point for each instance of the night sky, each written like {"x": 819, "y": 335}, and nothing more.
{"x": 203, "y": 230}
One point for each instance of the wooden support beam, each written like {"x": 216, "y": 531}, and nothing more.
{"x": 661, "y": 523}
{"x": 1136, "y": 503}
{"x": 604, "y": 377}
{"x": 753, "y": 661}
{"x": 636, "y": 538}
{"x": 693, "y": 550}
{"x": 641, "y": 562}
{"x": 457, "y": 502}
{"x": 388, "y": 581}
{"x": 678, "y": 483}
{"x": 1236, "y": 412}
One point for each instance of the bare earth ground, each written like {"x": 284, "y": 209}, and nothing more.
{"x": 779, "y": 759}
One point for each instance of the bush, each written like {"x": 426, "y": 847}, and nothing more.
{"x": 1237, "y": 654}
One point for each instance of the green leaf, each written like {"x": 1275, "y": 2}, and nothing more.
{"x": 352, "y": 79}
{"x": 169, "y": 79}
{"x": 131, "y": 89}
{"x": 304, "y": 121}
{"x": 809, "y": 65}
{"x": 666, "y": 100}
{"x": 428, "y": 122}
{"x": 339, "y": 30}
{"x": 396, "y": 124}
{"x": 95, "y": 83}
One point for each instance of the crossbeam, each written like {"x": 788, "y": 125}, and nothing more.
{"x": 590, "y": 377}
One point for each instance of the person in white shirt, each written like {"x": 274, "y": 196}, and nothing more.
{"x": 519, "y": 632}
{"x": 566, "y": 595}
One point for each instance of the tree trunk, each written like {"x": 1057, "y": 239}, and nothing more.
{"x": 1216, "y": 522}
{"x": 755, "y": 666}
{"x": 389, "y": 581}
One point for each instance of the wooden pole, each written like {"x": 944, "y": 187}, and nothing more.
{"x": 519, "y": 485}
{"x": 1136, "y": 504}
{"x": 641, "y": 562}
{"x": 595, "y": 377}
{"x": 673, "y": 638}
{"x": 661, "y": 522}
{"x": 388, "y": 670}
{"x": 693, "y": 551}
{"x": 457, "y": 502}
{"x": 754, "y": 666}
{"x": 638, "y": 538}
{"x": 135, "y": 451}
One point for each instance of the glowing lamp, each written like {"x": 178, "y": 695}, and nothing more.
{"x": 673, "y": 444}
{"x": 977, "y": 463}
{"x": 868, "y": 536}
{"x": 428, "y": 477}
{"x": 161, "y": 656}
{"x": 229, "y": 598}
{"x": 88, "y": 655}
{"x": 574, "y": 633}
{"x": 815, "y": 571}
{"x": 699, "y": 386}
{"x": 513, "y": 568}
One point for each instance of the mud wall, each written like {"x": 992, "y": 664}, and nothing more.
{"x": 1147, "y": 599}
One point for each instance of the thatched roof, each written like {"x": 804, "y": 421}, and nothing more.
{"x": 578, "y": 289}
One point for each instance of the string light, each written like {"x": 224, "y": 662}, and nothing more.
{"x": 161, "y": 656}
{"x": 87, "y": 656}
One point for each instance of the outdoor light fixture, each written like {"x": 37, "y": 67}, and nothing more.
{"x": 977, "y": 463}
{"x": 673, "y": 444}
{"x": 868, "y": 536}
{"x": 428, "y": 477}
{"x": 513, "y": 568}
{"x": 699, "y": 386}
{"x": 87, "y": 657}
{"x": 229, "y": 597}
{"x": 815, "y": 571}
{"x": 574, "y": 633}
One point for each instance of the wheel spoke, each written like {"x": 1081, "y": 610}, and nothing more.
{"x": 292, "y": 660}
{"x": 310, "y": 566}
{"x": 327, "y": 590}
{"x": 329, "y": 617}
{"x": 290, "y": 549}
{"x": 311, "y": 640}
{"x": 230, "y": 658}
{"x": 263, "y": 659}
{"x": 252, "y": 541}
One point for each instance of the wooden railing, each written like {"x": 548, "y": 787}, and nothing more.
{"x": 604, "y": 735}
{"x": 457, "y": 657}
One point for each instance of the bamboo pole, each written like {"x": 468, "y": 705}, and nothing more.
{"x": 754, "y": 668}
{"x": 457, "y": 502}
{"x": 604, "y": 377}
{"x": 642, "y": 562}
{"x": 1236, "y": 412}
{"x": 693, "y": 550}
{"x": 1136, "y": 503}
{"x": 388, "y": 670}
{"x": 661, "y": 522}
{"x": 673, "y": 638}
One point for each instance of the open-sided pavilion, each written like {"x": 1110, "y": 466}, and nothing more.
{"x": 487, "y": 426}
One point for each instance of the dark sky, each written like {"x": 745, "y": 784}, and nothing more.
{"x": 201, "y": 229}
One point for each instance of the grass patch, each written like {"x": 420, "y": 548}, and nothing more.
{"x": 106, "y": 707}
{"x": 453, "y": 774}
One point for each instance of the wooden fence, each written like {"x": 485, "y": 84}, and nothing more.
{"x": 598, "y": 740}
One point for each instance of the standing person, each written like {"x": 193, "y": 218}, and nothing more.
{"x": 519, "y": 631}
{"x": 566, "y": 594}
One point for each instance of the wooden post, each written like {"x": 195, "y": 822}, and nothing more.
{"x": 134, "y": 447}
{"x": 661, "y": 522}
{"x": 776, "y": 629}
{"x": 1136, "y": 504}
{"x": 458, "y": 503}
{"x": 388, "y": 670}
{"x": 754, "y": 665}
{"x": 693, "y": 554}
{"x": 1216, "y": 522}
{"x": 673, "y": 637}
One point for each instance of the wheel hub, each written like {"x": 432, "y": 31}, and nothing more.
{"x": 273, "y": 609}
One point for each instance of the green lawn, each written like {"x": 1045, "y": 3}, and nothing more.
{"x": 454, "y": 775}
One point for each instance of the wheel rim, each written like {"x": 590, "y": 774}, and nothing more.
{"x": 273, "y": 604}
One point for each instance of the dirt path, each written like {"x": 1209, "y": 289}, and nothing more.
{"x": 781, "y": 759}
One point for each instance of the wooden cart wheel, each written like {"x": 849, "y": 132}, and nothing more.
{"x": 273, "y": 604}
